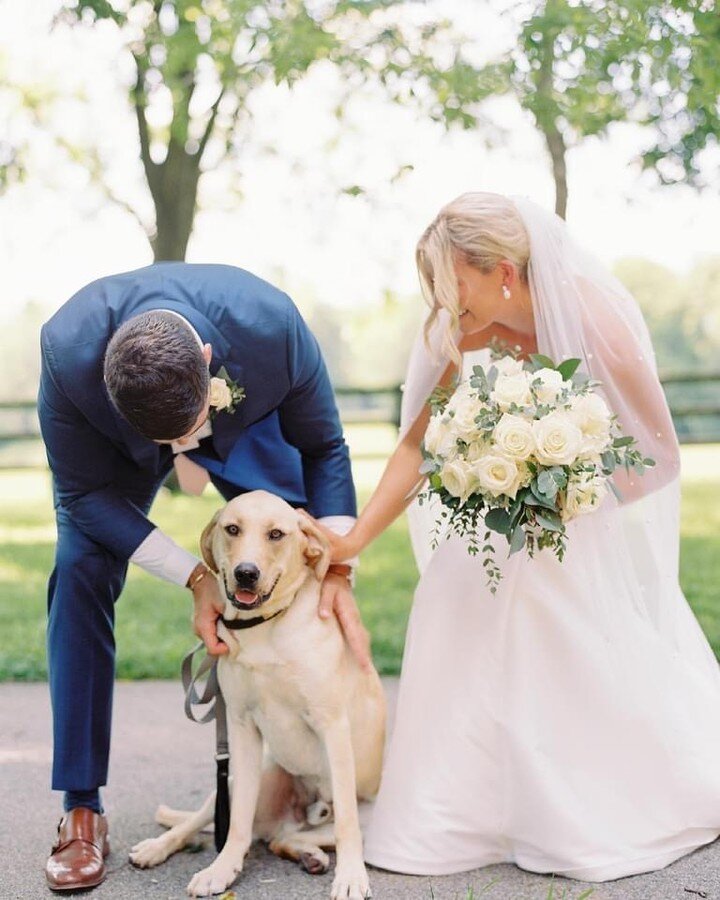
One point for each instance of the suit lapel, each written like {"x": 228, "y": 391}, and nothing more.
{"x": 227, "y": 426}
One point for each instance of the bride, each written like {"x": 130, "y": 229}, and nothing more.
{"x": 571, "y": 722}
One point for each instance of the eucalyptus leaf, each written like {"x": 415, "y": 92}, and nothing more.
{"x": 580, "y": 379}
{"x": 624, "y": 441}
{"x": 547, "y": 484}
{"x": 517, "y": 541}
{"x": 608, "y": 460}
{"x": 498, "y": 520}
{"x": 549, "y": 520}
{"x": 533, "y": 500}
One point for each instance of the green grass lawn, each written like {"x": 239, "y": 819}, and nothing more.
{"x": 153, "y": 618}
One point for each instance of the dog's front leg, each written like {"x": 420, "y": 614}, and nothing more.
{"x": 351, "y": 878}
{"x": 246, "y": 769}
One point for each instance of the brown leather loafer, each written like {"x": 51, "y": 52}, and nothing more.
{"x": 77, "y": 859}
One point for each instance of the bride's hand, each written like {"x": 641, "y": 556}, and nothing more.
{"x": 342, "y": 547}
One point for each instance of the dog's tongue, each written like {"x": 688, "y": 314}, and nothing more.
{"x": 245, "y": 597}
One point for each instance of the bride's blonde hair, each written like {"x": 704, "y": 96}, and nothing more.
{"x": 482, "y": 229}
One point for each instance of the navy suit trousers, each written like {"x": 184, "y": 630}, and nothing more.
{"x": 82, "y": 590}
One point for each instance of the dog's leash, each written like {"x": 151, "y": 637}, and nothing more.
{"x": 211, "y": 691}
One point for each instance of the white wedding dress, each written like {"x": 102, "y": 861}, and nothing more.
{"x": 548, "y": 725}
{"x": 571, "y": 722}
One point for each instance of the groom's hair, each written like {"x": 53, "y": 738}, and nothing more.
{"x": 156, "y": 374}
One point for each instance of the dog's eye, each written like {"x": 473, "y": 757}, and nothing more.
{"x": 232, "y": 529}
{"x": 276, "y": 534}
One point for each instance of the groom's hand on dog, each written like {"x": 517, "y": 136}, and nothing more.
{"x": 337, "y": 597}
{"x": 208, "y": 607}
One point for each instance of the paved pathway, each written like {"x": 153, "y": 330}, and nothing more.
{"x": 159, "y": 756}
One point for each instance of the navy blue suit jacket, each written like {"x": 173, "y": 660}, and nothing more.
{"x": 285, "y": 436}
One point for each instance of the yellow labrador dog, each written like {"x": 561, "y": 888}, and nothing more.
{"x": 295, "y": 695}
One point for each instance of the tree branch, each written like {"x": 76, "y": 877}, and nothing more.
{"x": 210, "y": 123}
{"x": 151, "y": 170}
{"x": 93, "y": 164}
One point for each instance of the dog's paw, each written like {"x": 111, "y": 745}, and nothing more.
{"x": 213, "y": 880}
{"x": 150, "y": 853}
{"x": 316, "y": 862}
{"x": 351, "y": 883}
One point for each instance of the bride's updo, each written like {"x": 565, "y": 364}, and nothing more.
{"x": 482, "y": 229}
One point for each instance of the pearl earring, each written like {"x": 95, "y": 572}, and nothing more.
{"x": 506, "y": 292}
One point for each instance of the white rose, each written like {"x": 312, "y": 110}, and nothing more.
{"x": 458, "y": 478}
{"x": 511, "y": 389}
{"x": 584, "y": 494}
{"x": 548, "y": 383}
{"x": 464, "y": 409}
{"x": 514, "y": 437}
{"x": 498, "y": 475}
{"x": 440, "y": 440}
{"x": 220, "y": 394}
{"x": 558, "y": 439}
{"x": 591, "y": 415}
{"x": 476, "y": 449}
{"x": 506, "y": 365}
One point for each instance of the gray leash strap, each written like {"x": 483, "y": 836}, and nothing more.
{"x": 211, "y": 691}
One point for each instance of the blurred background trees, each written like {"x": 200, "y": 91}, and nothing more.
{"x": 195, "y": 66}
{"x": 189, "y": 70}
{"x": 579, "y": 66}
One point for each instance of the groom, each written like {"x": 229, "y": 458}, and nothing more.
{"x": 125, "y": 384}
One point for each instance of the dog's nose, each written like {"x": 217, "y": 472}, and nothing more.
{"x": 246, "y": 575}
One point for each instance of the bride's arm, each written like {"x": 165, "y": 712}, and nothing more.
{"x": 394, "y": 492}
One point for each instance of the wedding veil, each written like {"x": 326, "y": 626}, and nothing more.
{"x": 581, "y": 310}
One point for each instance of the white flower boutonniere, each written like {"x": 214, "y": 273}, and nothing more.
{"x": 225, "y": 394}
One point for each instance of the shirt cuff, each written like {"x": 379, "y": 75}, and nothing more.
{"x": 341, "y": 525}
{"x": 161, "y": 556}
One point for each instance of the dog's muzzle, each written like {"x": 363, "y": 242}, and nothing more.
{"x": 246, "y": 594}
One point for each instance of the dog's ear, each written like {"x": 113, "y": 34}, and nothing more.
{"x": 206, "y": 543}
{"x": 317, "y": 549}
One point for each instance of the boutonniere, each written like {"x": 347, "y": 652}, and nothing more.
{"x": 225, "y": 394}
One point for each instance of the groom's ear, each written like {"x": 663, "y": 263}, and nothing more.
{"x": 207, "y": 353}
{"x": 206, "y": 540}
{"x": 317, "y": 549}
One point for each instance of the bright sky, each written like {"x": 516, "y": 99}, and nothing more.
{"x": 289, "y": 224}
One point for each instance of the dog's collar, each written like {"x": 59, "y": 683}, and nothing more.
{"x": 237, "y": 624}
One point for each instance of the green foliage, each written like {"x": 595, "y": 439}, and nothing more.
{"x": 198, "y": 63}
{"x": 682, "y": 90}
{"x": 577, "y": 66}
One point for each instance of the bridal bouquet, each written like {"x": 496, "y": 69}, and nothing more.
{"x": 525, "y": 446}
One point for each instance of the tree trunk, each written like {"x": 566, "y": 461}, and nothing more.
{"x": 547, "y": 113}
{"x": 175, "y": 196}
{"x": 558, "y": 151}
